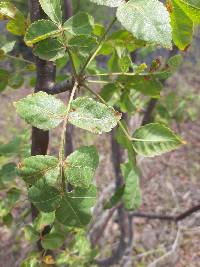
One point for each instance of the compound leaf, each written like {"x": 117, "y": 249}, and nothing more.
{"x": 93, "y": 116}
{"x": 147, "y": 20}
{"x": 80, "y": 166}
{"x": 155, "y": 139}
{"x": 41, "y": 110}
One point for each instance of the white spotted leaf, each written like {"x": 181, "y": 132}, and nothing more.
{"x": 147, "y": 20}
{"x": 41, "y": 110}
{"x": 88, "y": 114}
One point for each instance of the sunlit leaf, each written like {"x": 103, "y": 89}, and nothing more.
{"x": 41, "y": 110}
{"x": 147, "y": 20}
{"x": 182, "y": 27}
{"x": 191, "y": 8}
{"x": 155, "y": 139}
{"x": 93, "y": 116}
{"x": 53, "y": 9}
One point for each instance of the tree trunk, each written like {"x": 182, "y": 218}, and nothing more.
{"x": 68, "y": 9}
{"x": 45, "y": 79}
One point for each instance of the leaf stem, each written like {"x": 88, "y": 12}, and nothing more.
{"x": 98, "y": 81}
{"x": 94, "y": 53}
{"x": 20, "y": 59}
{"x": 62, "y": 144}
{"x": 72, "y": 63}
{"x": 126, "y": 74}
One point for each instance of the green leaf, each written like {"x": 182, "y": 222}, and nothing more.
{"x": 121, "y": 138}
{"x": 46, "y": 198}
{"x": 37, "y": 167}
{"x": 98, "y": 30}
{"x": 4, "y": 76}
{"x": 116, "y": 197}
{"x": 31, "y": 261}
{"x": 83, "y": 43}
{"x": 108, "y": 91}
{"x": 50, "y": 49}
{"x": 75, "y": 208}
{"x": 182, "y": 27}
{"x": 191, "y": 8}
{"x": 111, "y": 3}
{"x": 43, "y": 219}
{"x": 16, "y": 81}
{"x": 8, "y": 172}
{"x": 147, "y": 20}
{"x": 7, "y": 10}
{"x": 80, "y": 24}
{"x": 53, "y": 10}
{"x": 52, "y": 241}
{"x": 88, "y": 114}
{"x": 31, "y": 235}
{"x": 149, "y": 87}
{"x": 132, "y": 195}
{"x": 16, "y": 24}
{"x": 80, "y": 166}
{"x": 175, "y": 62}
{"x": 155, "y": 139}
{"x": 7, "y": 47}
{"x": 125, "y": 63}
{"x": 13, "y": 195}
{"x": 10, "y": 148}
{"x": 40, "y": 30}
{"x": 41, "y": 110}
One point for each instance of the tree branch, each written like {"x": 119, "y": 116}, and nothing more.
{"x": 174, "y": 218}
{"x": 61, "y": 87}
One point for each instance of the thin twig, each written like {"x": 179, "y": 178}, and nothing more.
{"x": 20, "y": 59}
{"x": 93, "y": 53}
{"x": 174, "y": 218}
{"x": 61, "y": 87}
{"x": 62, "y": 144}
